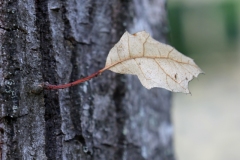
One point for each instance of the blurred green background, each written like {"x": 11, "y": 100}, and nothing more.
{"x": 207, "y": 123}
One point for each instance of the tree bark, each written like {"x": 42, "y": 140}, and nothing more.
{"x": 111, "y": 117}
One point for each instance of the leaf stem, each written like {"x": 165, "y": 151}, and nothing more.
{"x": 62, "y": 86}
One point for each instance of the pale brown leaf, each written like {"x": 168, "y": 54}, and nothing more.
{"x": 156, "y": 64}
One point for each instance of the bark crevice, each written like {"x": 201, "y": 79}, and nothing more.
{"x": 52, "y": 117}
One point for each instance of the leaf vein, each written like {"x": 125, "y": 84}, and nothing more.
{"x": 170, "y": 52}
{"x": 141, "y": 70}
{"x": 144, "y": 45}
{"x": 168, "y": 74}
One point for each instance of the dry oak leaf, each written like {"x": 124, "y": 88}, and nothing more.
{"x": 156, "y": 64}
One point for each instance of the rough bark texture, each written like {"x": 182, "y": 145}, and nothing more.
{"x": 111, "y": 117}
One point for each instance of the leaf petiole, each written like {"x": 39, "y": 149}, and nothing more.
{"x": 62, "y": 86}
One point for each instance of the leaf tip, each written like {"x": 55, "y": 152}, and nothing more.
{"x": 202, "y": 72}
{"x": 188, "y": 92}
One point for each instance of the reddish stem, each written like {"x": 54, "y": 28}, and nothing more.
{"x": 61, "y": 86}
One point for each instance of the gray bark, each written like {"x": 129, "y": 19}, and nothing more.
{"x": 110, "y": 117}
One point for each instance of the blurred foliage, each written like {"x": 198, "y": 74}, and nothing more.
{"x": 230, "y": 10}
{"x": 203, "y": 26}
{"x": 176, "y": 36}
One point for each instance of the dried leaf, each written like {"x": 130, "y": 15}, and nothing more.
{"x": 156, "y": 64}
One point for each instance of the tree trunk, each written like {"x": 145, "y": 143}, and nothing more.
{"x": 112, "y": 117}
